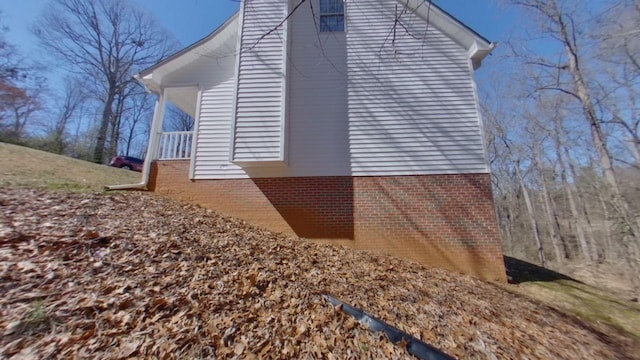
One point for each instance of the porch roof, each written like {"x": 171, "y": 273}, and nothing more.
{"x": 178, "y": 73}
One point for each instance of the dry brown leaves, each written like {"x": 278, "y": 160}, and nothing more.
{"x": 135, "y": 276}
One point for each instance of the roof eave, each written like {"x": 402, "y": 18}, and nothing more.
{"x": 143, "y": 75}
{"x": 477, "y": 45}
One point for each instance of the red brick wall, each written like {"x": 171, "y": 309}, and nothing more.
{"x": 443, "y": 220}
{"x": 314, "y": 207}
{"x": 440, "y": 220}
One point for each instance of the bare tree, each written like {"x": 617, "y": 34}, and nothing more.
{"x": 11, "y": 68}
{"x": 105, "y": 40}
{"x": 19, "y": 105}
{"x": 570, "y": 119}
{"x": 619, "y": 46}
{"x": 560, "y": 24}
{"x": 136, "y": 120}
{"x": 20, "y": 91}
{"x": 68, "y": 106}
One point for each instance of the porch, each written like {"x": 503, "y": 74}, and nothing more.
{"x": 165, "y": 144}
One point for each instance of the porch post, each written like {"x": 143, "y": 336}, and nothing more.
{"x": 155, "y": 133}
{"x": 156, "y": 125}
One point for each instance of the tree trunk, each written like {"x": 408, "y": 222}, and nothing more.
{"x": 550, "y": 214}
{"x": 577, "y": 219}
{"x": 548, "y": 209}
{"x": 606, "y": 225}
{"x": 115, "y": 136}
{"x": 107, "y": 114}
{"x": 116, "y": 123}
{"x": 129, "y": 141}
{"x": 563, "y": 241}
{"x": 508, "y": 225}
{"x": 532, "y": 217}
{"x": 585, "y": 218}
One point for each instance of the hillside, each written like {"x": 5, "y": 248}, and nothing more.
{"x": 24, "y": 167}
{"x": 114, "y": 276}
{"x": 132, "y": 275}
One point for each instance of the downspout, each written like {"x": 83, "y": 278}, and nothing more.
{"x": 152, "y": 148}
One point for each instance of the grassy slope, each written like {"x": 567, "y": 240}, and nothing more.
{"x": 25, "y": 167}
{"x": 588, "y": 303}
{"x": 592, "y": 304}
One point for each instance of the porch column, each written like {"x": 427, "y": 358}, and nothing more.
{"x": 156, "y": 125}
{"x": 156, "y": 132}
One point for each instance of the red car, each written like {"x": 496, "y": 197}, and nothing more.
{"x": 127, "y": 162}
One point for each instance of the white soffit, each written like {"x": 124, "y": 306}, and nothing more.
{"x": 184, "y": 98}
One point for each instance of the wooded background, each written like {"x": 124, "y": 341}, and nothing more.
{"x": 561, "y": 124}
{"x": 559, "y": 101}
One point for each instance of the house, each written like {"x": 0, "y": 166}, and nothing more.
{"x": 353, "y": 122}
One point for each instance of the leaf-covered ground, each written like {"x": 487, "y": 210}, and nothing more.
{"x": 135, "y": 276}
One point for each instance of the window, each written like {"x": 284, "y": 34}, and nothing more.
{"x": 331, "y": 15}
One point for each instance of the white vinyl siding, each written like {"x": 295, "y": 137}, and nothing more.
{"x": 259, "y": 117}
{"x": 411, "y": 98}
{"x": 214, "y": 130}
{"x": 318, "y": 127}
{"x": 357, "y": 105}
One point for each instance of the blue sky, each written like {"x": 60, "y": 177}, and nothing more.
{"x": 190, "y": 20}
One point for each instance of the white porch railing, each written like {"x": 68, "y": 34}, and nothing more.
{"x": 175, "y": 145}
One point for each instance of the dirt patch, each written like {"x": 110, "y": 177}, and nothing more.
{"x": 133, "y": 275}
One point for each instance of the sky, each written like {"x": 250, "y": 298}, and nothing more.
{"x": 191, "y": 20}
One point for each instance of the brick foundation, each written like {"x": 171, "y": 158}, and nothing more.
{"x": 445, "y": 221}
